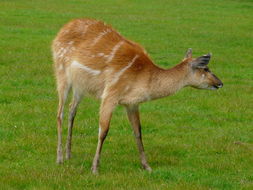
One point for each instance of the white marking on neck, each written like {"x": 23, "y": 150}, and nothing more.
{"x": 114, "y": 50}
{"x": 100, "y": 36}
{"x": 89, "y": 70}
{"x": 118, "y": 74}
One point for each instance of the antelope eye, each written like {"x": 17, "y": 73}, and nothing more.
{"x": 206, "y": 69}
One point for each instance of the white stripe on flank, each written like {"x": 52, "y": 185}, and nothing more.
{"x": 114, "y": 50}
{"x": 117, "y": 75}
{"x": 100, "y": 36}
{"x": 89, "y": 70}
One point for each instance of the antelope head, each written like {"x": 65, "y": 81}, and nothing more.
{"x": 199, "y": 75}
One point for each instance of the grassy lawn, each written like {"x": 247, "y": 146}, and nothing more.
{"x": 195, "y": 139}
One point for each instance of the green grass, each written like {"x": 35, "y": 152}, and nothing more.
{"x": 189, "y": 138}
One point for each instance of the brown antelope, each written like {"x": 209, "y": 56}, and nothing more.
{"x": 90, "y": 57}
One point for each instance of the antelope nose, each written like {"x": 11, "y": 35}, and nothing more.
{"x": 220, "y": 85}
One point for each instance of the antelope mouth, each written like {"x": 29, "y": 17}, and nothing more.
{"x": 216, "y": 87}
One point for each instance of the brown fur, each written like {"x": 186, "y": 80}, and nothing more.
{"x": 92, "y": 58}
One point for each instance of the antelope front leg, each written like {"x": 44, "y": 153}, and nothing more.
{"x": 134, "y": 118}
{"x": 106, "y": 110}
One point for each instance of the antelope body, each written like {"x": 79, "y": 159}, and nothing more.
{"x": 92, "y": 58}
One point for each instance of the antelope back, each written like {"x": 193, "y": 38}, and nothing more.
{"x": 94, "y": 55}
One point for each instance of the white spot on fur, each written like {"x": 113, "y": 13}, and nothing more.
{"x": 66, "y": 59}
{"x": 101, "y": 54}
{"x": 100, "y": 36}
{"x": 60, "y": 52}
{"x": 57, "y": 44}
{"x": 71, "y": 42}
{"x": 63, "y": 52}
{"x": 60, "y": 67}
{"x": 87, "y": 69}
{"x": 127, "y": 88}
{"x": 65, "y": 31}
{"x": 114, "y": 50}
{"x": 87, "y": 24}
{"x": 118, "y": 74}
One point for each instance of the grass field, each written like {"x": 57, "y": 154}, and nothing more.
{"x": 195, "y": 139}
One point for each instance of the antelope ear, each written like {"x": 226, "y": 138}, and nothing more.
{"x": 201, "y": 62}
{"x": 188, "y": 54}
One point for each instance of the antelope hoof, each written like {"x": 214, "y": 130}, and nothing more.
{"x": 68, "y": 156}
{"x": 59, "y": 160}
{"x": 148, "y": 168}
{"x": 94, "y": 170}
